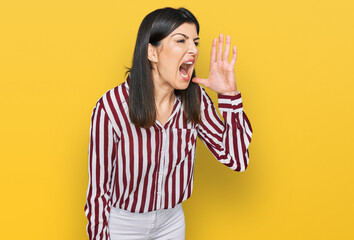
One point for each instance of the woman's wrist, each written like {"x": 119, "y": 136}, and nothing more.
{"x": 232, "y": 93}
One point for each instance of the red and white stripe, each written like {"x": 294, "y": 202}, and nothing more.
{"x": 141, "y": 170}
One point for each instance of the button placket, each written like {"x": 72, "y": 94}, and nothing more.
{"x": 161, "y": 170}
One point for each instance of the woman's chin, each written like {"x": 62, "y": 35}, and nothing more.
{"x": 182, "y": 86}
{"x": 182, "y": 82}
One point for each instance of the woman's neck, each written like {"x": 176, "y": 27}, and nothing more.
{"x": 164, "y": 93}
{"x": 164, "y": 100}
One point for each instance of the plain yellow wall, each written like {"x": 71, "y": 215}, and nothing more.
{"x": 294, "y": 69}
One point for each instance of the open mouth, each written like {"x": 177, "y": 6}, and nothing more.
{"x": 185, "y": 69}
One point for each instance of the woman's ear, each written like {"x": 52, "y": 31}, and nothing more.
{"x": 152, "y": 53}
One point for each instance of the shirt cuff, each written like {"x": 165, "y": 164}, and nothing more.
{"x": 230, "y": 103}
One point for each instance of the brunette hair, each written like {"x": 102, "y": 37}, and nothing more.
{"x": 156, "y": 26}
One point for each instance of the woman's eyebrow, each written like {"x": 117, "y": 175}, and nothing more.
{"x": 197, "y": 38}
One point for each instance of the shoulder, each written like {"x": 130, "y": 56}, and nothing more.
{"x": 114, "y": 103}
{"x": 113, "y": 98}
{"x": 205, "y": 100}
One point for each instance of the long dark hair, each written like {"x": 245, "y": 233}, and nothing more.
{"x": 156, "y": 26}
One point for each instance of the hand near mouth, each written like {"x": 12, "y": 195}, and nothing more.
{"x": 221, "y": 73}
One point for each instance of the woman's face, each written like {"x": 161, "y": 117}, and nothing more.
{"x": 174, "y": 59}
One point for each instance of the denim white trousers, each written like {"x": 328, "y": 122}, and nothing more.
{"x": 162, "y": 224}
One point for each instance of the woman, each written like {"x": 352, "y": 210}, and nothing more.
{"x": 143, "y": 132}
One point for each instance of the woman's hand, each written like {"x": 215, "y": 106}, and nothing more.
{"x": 221, "y": 74}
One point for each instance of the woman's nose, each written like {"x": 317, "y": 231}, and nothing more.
{"x": 193, "y": 48}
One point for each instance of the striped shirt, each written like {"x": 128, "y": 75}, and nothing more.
{"x": 142, "y": 170}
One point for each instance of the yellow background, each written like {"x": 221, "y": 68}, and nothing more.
{"x": 294, "y": 69}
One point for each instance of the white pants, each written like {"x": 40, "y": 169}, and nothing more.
{"x": 161, "y": 224}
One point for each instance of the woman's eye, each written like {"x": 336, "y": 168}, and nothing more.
{"x": 181, "y": 41}
{"x": 196, "y": 43}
